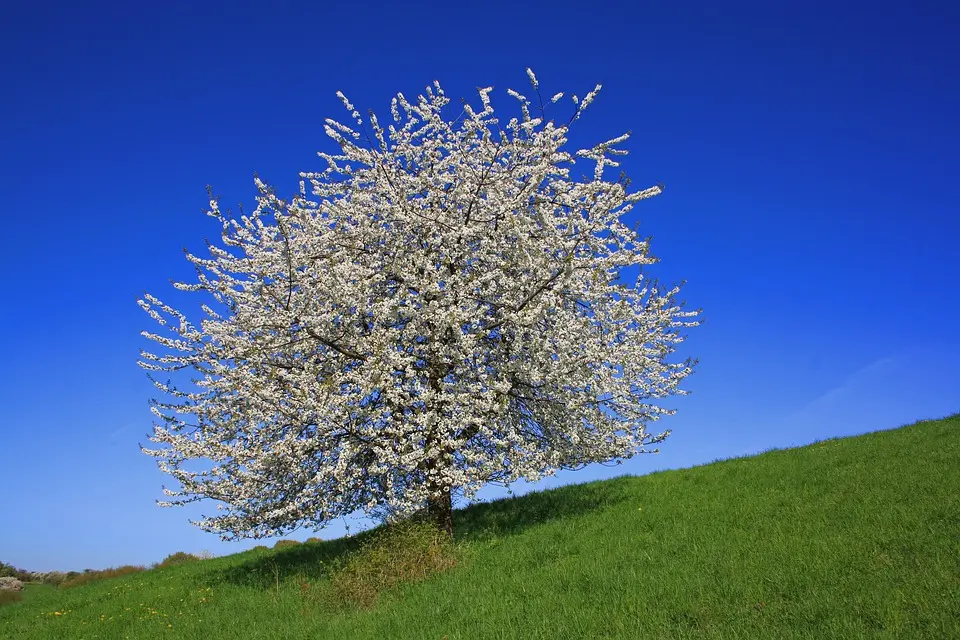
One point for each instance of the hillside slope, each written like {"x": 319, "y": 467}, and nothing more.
{"x": 849, "y": 538}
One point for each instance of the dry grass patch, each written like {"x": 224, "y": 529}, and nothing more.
{"x": 404, "y": 552}
{"x": 95, "y": 576}
{"x": 280, "y": 544}
{"x": 8, "y": 596}
{"x": 175, "y": 559}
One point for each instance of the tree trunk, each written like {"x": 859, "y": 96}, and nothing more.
{"x": 440, "y": 509}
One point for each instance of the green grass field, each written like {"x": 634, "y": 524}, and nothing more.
{"x": 850, "y": 538}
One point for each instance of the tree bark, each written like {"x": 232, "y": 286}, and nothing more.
{"x": 440, "y": 501}
{"x": 440, "y": 509}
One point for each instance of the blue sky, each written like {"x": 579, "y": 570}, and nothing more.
{"x": 808, "y": 151}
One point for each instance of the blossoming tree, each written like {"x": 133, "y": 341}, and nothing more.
{"x": 441, "y": 308}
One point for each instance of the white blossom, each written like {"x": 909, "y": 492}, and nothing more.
{"x": 533, "y": 78}
{"x": 444, "y": 309}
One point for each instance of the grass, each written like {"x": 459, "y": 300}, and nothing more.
{"x": 849, "y": 538}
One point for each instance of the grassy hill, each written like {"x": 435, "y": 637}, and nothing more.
{"x": 849, "y": 538}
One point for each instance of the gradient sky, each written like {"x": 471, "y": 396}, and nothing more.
{"x": 808, "y": 151}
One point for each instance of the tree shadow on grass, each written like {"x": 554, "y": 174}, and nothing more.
{"x": 476, "y": 523}
{"x": 311, "y": 561}
{"x": 508, "y": 516}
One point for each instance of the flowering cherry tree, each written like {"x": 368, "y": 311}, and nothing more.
{"x": 440, "y": 308}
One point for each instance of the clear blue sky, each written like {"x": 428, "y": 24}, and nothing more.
{"x": 809, "y": 153}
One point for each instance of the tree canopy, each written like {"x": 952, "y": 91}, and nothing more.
{"x": 443, "y": 306}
